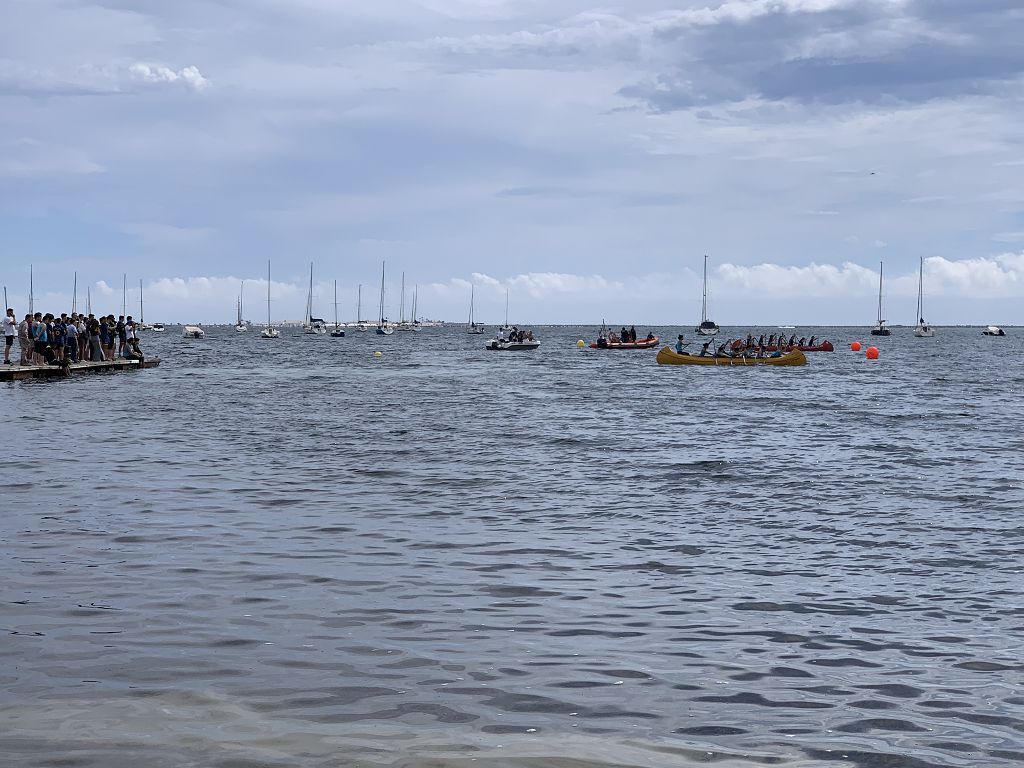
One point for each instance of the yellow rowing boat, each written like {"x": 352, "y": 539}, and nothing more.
{"x": 668, "y": 356}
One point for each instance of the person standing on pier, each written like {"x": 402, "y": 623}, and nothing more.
{"x": 10, "y": 331}
{"x": 25, "y": 340}
{"x": 122, "y": 336}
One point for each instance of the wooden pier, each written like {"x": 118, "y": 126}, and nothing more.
{"x": 19, "y": 372}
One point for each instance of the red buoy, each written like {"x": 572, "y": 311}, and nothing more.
{"x": 855, "y": 346}
{"x": 871, "y": 353}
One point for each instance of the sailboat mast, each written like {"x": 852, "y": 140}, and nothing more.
{"x": 920, "y": 293}
{"x": 88, "y": 300}
{"x": 382, "y": 265}
{"x": 506, "y": 307}
{"x": 704, "y": 297}
{"x": 309, "y": 299}
{"x": 401, "y": 302}
{"x": 141, "y": 315}
{"x": 415, "y": 296}
{"x": 74, "y": 296}
{"x": 359, "y": 304}
{"x": 335, "y": 304}
{"x": 124, "y": 294}
{"x": 268, "y": 294}
{"x": 472, "y": 291}
{"x": 880, "y": 292}
{"x": 31, "y": 292}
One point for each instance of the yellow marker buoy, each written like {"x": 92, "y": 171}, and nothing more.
{"x": 377, "y": 354}
{"x": 580, "y": 344}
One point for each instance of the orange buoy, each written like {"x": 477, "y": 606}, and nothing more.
{"x": 855, "y": 346}
{"x": 871, "y": 353}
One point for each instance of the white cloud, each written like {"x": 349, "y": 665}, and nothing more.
{"x": 157, "y": 73}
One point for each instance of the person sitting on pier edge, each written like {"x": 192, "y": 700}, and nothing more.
{"x": 133, "y": 351}
{"x": 680, "y": 344}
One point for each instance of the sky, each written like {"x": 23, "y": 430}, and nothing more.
{"x": 583, "y": 157}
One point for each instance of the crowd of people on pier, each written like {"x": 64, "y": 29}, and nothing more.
{"x": 48, "y": 339}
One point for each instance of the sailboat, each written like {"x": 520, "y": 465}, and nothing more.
{"x": 506, "y": 327}
{"x": 313, "y": 325}
{"x": 923, "y": 330}
{"x": 270, "y": 332}
{"x": 415, "y": 323}
{"x": 337, "y": 332}
{"x": 360, "y": 324}
{"x": 880, "y": 329}
{"x": 240, "y": 325}
{"x": 706, "y": 327}
{"x": 403, "y": 325}
{"x": 141, "y": 325}
{"x": 384, "y": 328}
{"x": 474, "y": 327}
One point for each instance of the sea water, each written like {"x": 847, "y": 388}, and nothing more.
{"x": 294, "y": 553}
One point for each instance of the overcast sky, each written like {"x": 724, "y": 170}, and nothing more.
{"x": 584, "y": 156}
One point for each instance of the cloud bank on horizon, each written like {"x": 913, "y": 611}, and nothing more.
{"x": 584, "y": 156}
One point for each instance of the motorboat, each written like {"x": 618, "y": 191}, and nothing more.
{"x": 603, "y": 343}
{"x": 516, "y": 341}
{"x": 668, "y": 356}
{"x": 504, "y": 345}
{"x": 993, "y": 330}
{"x": 157, "y": 327}
{"x": 193, "y": 332}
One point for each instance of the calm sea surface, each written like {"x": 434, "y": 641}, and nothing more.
{"x": 291, "y": 553}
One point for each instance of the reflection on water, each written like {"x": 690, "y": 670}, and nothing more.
{"x": 295, "y": 554}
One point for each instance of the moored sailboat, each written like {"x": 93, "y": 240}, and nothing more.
{"x": 923, "y": 330}
{"x": 384, "y": 328}
{"x": 473, "y": 326}
{"x": 880, "y": 329}
{"x": 706, "y": 327}
{"x": 337, "y": 332}
{"x": 240, "y": 325}
{"x": 269, "y": 332}
{"x": 313, "y": 325}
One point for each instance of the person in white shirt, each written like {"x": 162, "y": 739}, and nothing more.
{"x": 10, "y": 331}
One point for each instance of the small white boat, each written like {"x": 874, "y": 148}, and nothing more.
{"x": 922, "y": 330}
{"x": 993, "y": 330}
{"x": 523, "y": 341}
{"x": 193, "y": 332}
{"x": 501, "y": 345}
{"x": 157, "y": 327}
